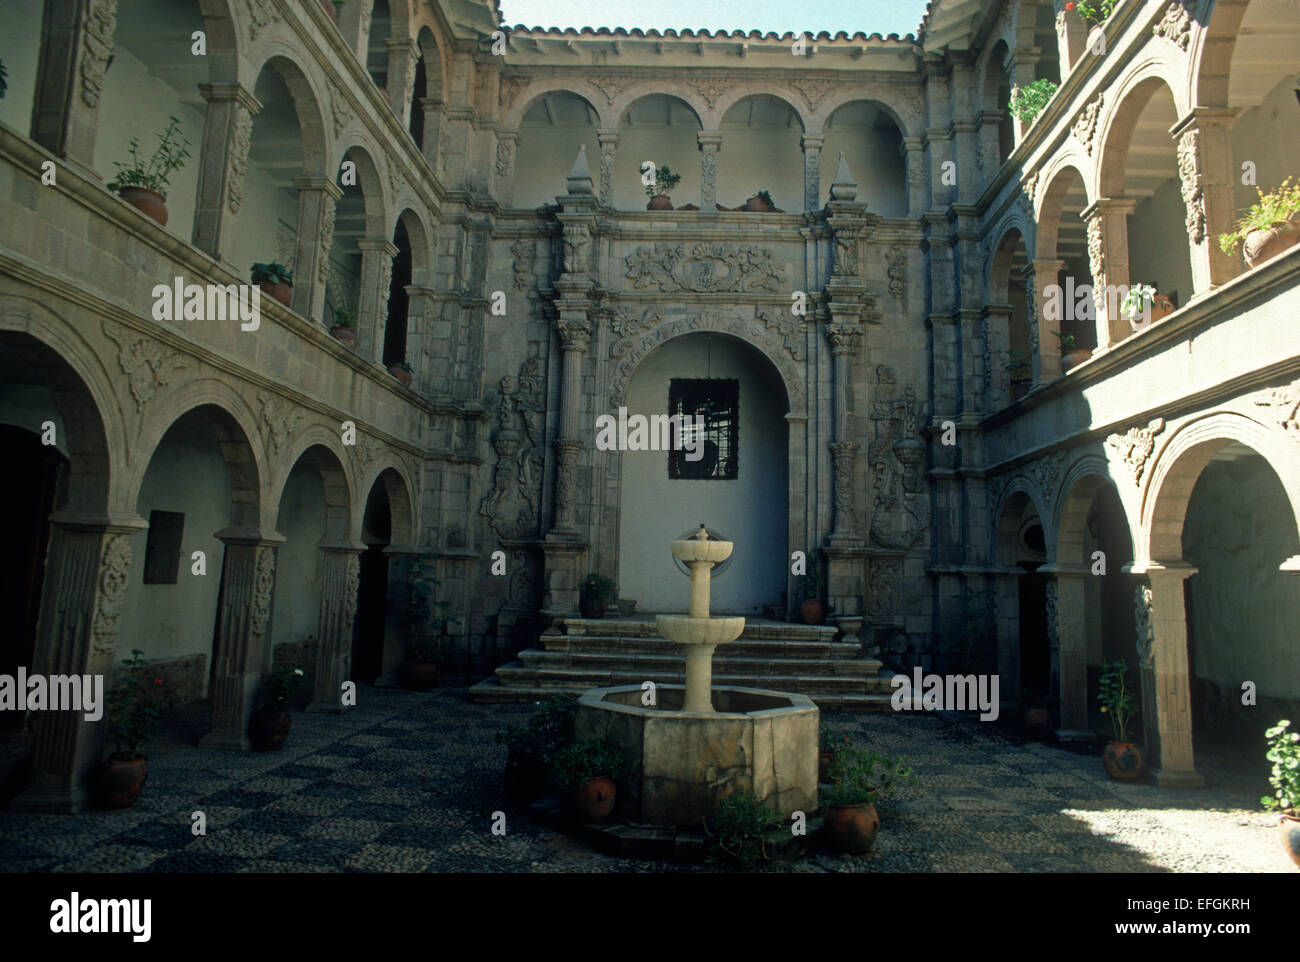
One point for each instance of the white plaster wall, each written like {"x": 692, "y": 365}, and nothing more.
{"x": 751, "y": 510}
{"x": 20, "y": 48}
{"x": 543, "y": 161}
{"x": 678, "y": 147}
{"x": 187, "y": 474}
{"x": 135, "y": 104}
{"x": 298, "y": 570}
{"x": 755, "y": 159}
{"x": 1268, "y": 136}
{"x": 1157, "y": 243}
{"x": 267, "y": 217}
{"x": 875, "y": 164}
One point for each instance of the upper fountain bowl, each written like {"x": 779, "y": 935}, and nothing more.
{"x": 694, "y": 549}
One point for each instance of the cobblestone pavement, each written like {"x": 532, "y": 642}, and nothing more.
{"x": 408, "y": 783}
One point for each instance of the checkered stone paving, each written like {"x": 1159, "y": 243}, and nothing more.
{"x": 409, "y": 782}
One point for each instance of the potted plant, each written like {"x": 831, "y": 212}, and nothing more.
{"x": 736, "y": 830}
{"x": 275, "y": 279}
{"x": 344, "y": 328}
{"x": 1028, "y": 102}
{"x": 1071, "y": 354}
{"x": 665, "y": 181}
{"x": 1036, "y": 713}
{"x": 812, "y": 610}
{"x": 831, "y": 743}
{"x": 595, "y": 590}
{"x": 1142, "y": 306}
{"x": 143, "y": 183}
{"x": 1270, "y": 226}
{"x": 133, "y": 718}
{"x": 1121, "y": 758}
{"x": 402, "y": 371}
{"x": 1095, "y": 14}
{"x": 860, "y": 779}
{"x": 589, "y": 770}
{"x": 761, "y": 201}
{"x": 269, "y": 726}
{"x": 531, "y": 748}
{"x": 332, "y": 8}
{"x": 1020, "y": 373}
{"x": 424, "y": 651}
{"x": 1284, "y": 753}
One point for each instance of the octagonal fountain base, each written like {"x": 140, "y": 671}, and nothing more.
{"x": 682, "y": 763}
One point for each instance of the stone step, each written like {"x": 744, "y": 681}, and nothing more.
{"x": 742, "y": 647}
{"x": 516, "y": 673}
{"x": 671, "y": 662}
{"x": 643, "y": 626}
{"x": 490, "y": 691}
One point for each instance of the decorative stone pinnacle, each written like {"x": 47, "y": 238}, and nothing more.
{"x": 579, "y": 179}
{"x": 843, "y": 187}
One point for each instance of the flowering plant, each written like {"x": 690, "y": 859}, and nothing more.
{"x": 279, "y": 687}
{"x": 1284, "y": 753}
{"x": 1116, "y": 699}
{"x": 132, "y": 706}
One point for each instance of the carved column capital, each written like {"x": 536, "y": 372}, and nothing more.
{"x": 844, "y": 338}
{"x": 575, "y": 335}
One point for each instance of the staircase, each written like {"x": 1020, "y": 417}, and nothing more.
{"x": 577, "y": 654}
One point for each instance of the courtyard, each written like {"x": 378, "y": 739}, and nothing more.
{"x": 409, "y": 782}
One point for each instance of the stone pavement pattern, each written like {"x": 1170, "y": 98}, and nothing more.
{"x": 408, "y": 783}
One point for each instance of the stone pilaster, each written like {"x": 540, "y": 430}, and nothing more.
{"x": 316, "y": 199}
{"x": 1071, "y": 39}
{"x": 243, "y": 625}
{"x": 812, "y": 171}
{"x": 372, "y": 311}
{"x": 340, "y": 573}
{"x": 913, "y": 150}
{"x": 990, "y": 142}
{"x": 1043, "y": 343}
{"x": 1205, "y": 171}
{"x": 710, "y": 142}
{"x": 504, "y": 169}
{"x": 354, "y": 27}
{"x": 1161, "y": 621}
{"x": 76, "y": 46}
{"x": 396, "y": 597}
{"x": 996, "y": 356}
{"x": 608, "y": 139}
{"x": 227, "y": 136}
{"x": 1066, "y": 636}
{"x": 1007, "y": 628}
{"x": 403, "y": 55}
{"x": 86, "y": 568}
{"x": 1106, "y": 220}
{"x": 432, "y": 110}
{"x": 422, "y": 350}
{"x": 1024, "y": 61}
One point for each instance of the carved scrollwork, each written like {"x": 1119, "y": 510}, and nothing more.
{"x": 709, "y": 268}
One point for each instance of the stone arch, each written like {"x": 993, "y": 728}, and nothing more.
{"x": 223, "y": 40}
{"x": 991, "y": 63}
{"x": 1081, "y": 483}
{"x": 815, "y": 124}
{"x": 1124, "y": 107}
{"x": 421, "y": 245}
{"x": 321, "y": 448}
{"x": 1213, "y": 46}
{"x": 370, "y": 182}
{"x": 435, "y": 66}
{"x": 1012, "y": 233}
{"x": 1179, "y": 463}
{"x": 544, "y": 87}
{"x": 392, "y": 474}
{"x": 671, "y": 89}
{"x": 307, "y": 102}
{"x": 1009, "y": 506}
{"x": 734, "y": 96}
{"x": 1024, "y": 21}
{"x": 1051, "y": 200}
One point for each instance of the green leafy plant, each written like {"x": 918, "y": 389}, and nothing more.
{"x": 345, "y": 318}
{"x": 736, "y": 829}
{"x": 1275, "y": 207}
{"x": 271, "y": 273}
{"x": 280, "y": 686}
{"x": 579, "y": 762}
{"x": 862, "y": 777}
{"x": 133, "y": 706}
{"x": 1138, "y": 300}
{"x": 813, "y": 581}
{"x": 544, "y": 734}
{"x": 1284, "y": 753}
{"x": 834, "y": 739}
{"x": 1117, "y": 699}
{"x": 1028, "y": 102}
{"x": 1068, "y": 341}
{"x": 766, "y": 198}
{"x": 596, "y": 586}
{"x": 152, "y": 174}
{"x": 665, "y": 181}
{"x": 1018, "y": 366}
{"x": 425, "y": 645}
{"x": 1094, "y": 13}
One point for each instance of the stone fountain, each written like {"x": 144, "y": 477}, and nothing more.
{"x": 689, "y": 747}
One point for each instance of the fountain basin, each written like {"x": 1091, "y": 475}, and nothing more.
{"x": 681, "y": 764}
{"x": 697, "y": 549}
{"x": 686, "y": 630}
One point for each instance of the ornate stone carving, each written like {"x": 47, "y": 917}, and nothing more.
{"x": 240, "y": 141}
{"x": 1135, "y": 445}
{"x": 147, "y": 364}
{"x": 842, "y": 457}
{"x": 814, "y": 90}
{"x": 709, "y": 268}
{"x": 385, "y": 275}
{"x": 523, "y": 253}
{"x": 280, "y": 417}
{"x": 575, "y": 250}
{"x": 263, "y": 585}
{"x": 1085, "y": 125}
{"x": 709, "y": 177}
{"x": 812, "y": 163}
{"x": 1287, "y": 401}
{"x": 367, "y": 449}
{"x": 787, "y": 327}
{"x": 897, "y": 272}
{"x": 510, "y": 86}
{"x": 896, "y": 455}
{"x": 575, "y": 335}
{"x": 263, "y": 12}
{"x": 1189, "y": 176}
{"x": 340, "y": 109}
{"x": 566, "y": 477}
{"x": 844, "y": 338}
{"x": 624, "y": 326}
{"x": 915, "y": 169}
{"x": 611, "y": 85}
{"x": 367, "y": 12}
{"x": 511, "y": 506}
{"x": 883, "y": 577}
{"x": 114, "y": 566}
{"x": 1143, "y": 612}
{"x": 1044, "y": 473}
{"x": 329, "y": 207}
{"x": 396, "y": 180}
{"x": 522, "y": 589}
{"x": 1031, "y": 307}
{"x": 1175, "y": 26}
{"x": 710, "y": 88}
{"x": 846, "y": 253}
{"x": 1029, "y": 190}
{"x": 352, "y": 584}
{"x": 97, "y": 48}
{"x": 1096, "y": 249}
{"x": 505, "y": 157}
{"x": 1052, "y": 592}
{"x": 607, "y": 150}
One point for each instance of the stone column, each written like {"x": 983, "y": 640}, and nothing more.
{"x": 227, "y": 135}
{"x": 1024, "y": 60}
{"x": 1160, "y": 616}
{"x": 1065, "y": 633}
{"x": 710, "y": 142}
{"x": 990, "y": 146}
{"x": 76, "y": 45}
{"x": 432, "y": 110}
{"x": 844, "y": 340}
{"x": 913, "y": 149}
{"x": 997, "y": 352}
{"x": 403, "y": 55}
{"x": 812, "y": 171}
{"x": 608, "y": 139}
{"x": 354, "y": 26}
{"x": 1071, "y": 39}
{"x": 243, "y": 625}
{"x": 372, "y": 312}
{"x": 340, "y": 575}
{"x": 316, "y": 199}
{"x": 1206, "y": 171}
{"x": 421, "y": 352}
{"x": 1107, "y": 223}
{"x": 1043, "y": 344}
{"x": 1007, "y": 627}
{"x": 574, "y": 340}
{"x": 86, "y": 568}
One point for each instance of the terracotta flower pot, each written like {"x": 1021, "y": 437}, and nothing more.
{"x": 282, "y": 292}
{"x": 824, "y": 761}
{"x": 595, "y": 800}
{"x": 401, "y": 373}
{"x": 1074, "y": 358}
{"x": 419, "y": 675}
{"x": 269, "y": 728}
{"x": 119, "y": 781}
{"x": 345, "y": 335}
{"x": 592, "y": 607}
{"x": 329, "y": 7}
{"x": 660, "y": 202}
{"x": 812, "y": 611}
{"x": 525, "y": 780}
{"x": 757, "y": 203}
{"x": 1037, "y": 722}
{"x": 850, "y": 828}
{"x": 1122, "y": 760}
{"x": 1019, "y": 389}
{"x": 1260, "y": 245}
{"x": 149, "y": 201}
{"x": 1290, "y": 828}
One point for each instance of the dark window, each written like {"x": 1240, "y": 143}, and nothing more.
{"x": 162, "y": 552}
{"x": 718, "y": 400}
